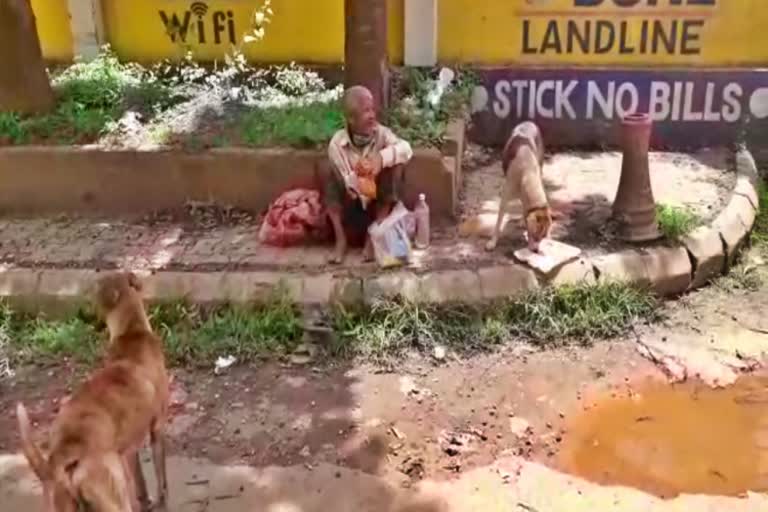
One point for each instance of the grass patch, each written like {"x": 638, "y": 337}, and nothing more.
{"x": 197, "y": 336}
{"x": 675, "y": 222}
{"x": 304, "y": 126}
{"x": 548, "y": 316}
{"x": 91, "y": 96}
{"x": 39, "y": 339}
{"x": 192, "y": 335}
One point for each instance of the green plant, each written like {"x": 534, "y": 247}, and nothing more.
{"x": 91, "y": 96}
{"x": 39, "y": 337}
{"x": 552, "y": 315}
{"x": 760, "y": 229}
{"x": 195, "y": 335}
{"x": 416, "y": 116}
{"x": 11, "y": 128}
{"x": 303, "y": 125}
{"x": 675, "y": 221}
{"x": 584, "y": 311}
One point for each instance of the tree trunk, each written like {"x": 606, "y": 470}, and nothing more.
{"x": 24, "y": 85}
{"x": 365, "y": 48}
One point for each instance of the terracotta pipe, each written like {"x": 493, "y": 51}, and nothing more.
{"x": 634, "y": 207}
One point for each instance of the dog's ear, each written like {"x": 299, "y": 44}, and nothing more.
{"x": 134, "y": 281}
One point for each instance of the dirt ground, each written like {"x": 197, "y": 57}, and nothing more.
{"x": 433, "y": 424}
{"x": 581, "y": 187}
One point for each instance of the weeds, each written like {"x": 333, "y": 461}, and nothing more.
{"x": 749, "y": 274}
{"x": 40, "y": 339}
{"x": 416, "y": 117}
{"x": 297, "y": 126}
{"x": 90, "y": 97}
{"x": 675, "y": 222}
{"x": 194, "y": 335}
{"x": 551, "y": 315}
{"x": 277, "y": 105}
{"x": 760, "y": 229}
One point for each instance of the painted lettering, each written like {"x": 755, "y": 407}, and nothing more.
{"x": 541, "y": 110}
{"x": 660, "y": 105}
{"x": 689, "y": 114}
{"x": 563, "y": 99}
{"x": 732, "y": 99}
{"x": 638, "y": 3}
{"x": 596, "y": 97}
{"x": 627, "y": 91}
{"x": 710, "y": 114}
{"x": 501, "y": 105}
{"x": 519, "y": 86}
{"x": 216, "y": 23}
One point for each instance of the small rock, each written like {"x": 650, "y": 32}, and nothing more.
{"x": 305, "y": 452}
{"x": 439, "y": 352}
{"x": 519, "y": 427}
{"x": 397, "y": 433}
{"x": 301, "y": 360}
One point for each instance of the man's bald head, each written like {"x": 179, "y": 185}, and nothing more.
{"x": 359, "y": 110}
{"x": 354, "y": 98}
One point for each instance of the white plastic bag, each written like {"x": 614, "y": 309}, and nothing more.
{"x": 391, "y": 243}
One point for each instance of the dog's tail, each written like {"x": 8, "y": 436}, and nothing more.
{"x": 31, "y": 451}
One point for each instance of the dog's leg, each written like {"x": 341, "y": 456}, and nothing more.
{"x": 157, "y": 438}
{"x": 503, "y": 205}
{"x": 131, "y": 483}
{"x": 133, "y": 463}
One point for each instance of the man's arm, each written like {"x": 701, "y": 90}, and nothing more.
{"x": 340, "y": 163}
{"x": 396, "y": 151}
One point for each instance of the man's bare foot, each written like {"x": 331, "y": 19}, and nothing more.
{"x": 368, "y": 255}
{"x": 338, "y": 254}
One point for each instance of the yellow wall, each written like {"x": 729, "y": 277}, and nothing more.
{"x": 491, "y": 32}
{"x": 488, "y": 32}
{"x": 309, "y": 31}
{"x": 52, "y": 18}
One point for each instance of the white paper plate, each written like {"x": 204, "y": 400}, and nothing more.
{"x": 551, "y": 255}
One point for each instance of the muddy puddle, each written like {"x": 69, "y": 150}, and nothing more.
{"x": 669, "y": 440}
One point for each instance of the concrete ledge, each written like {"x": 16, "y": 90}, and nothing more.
{"x": 707, "y": 252}
{"x": 43, "y": 180}
{"x": 702, "y": 255}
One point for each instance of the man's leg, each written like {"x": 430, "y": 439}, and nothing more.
{"x": 333, "y": 199}
{"x": 388, "y": 184}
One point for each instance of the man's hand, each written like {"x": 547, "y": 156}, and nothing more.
{"x": 375, "y": 164}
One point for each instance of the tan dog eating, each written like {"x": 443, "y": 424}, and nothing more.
{"x": 522, "y": 161}
{"x": 92, "y": 454}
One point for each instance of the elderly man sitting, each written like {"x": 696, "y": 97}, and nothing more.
{"x": 367, "y": 161}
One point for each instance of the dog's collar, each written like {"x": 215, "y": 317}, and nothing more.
{"x": 533, "y": 209}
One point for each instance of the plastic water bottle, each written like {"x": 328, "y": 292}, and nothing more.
{"x": 421, "y": 212}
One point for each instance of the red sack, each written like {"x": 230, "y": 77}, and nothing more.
{"x": 297, "y": 216}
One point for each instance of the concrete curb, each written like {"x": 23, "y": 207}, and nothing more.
{"x": 703, "y": 255}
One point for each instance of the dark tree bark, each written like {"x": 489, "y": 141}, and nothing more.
{"x": 365, "y": 48}
{"x": 24, "y": 85}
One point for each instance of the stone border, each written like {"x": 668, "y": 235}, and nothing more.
{"x": 705, "y": 254}
{"x": 89, "y": 180}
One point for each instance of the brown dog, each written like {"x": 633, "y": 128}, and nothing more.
{"x": 522, "y": 161}
{"x": 92, "y": 453}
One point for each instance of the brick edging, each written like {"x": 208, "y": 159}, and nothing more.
{"x": 703, "y": 255}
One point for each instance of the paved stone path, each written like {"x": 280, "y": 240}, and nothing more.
{"x": 580, "y": 186}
